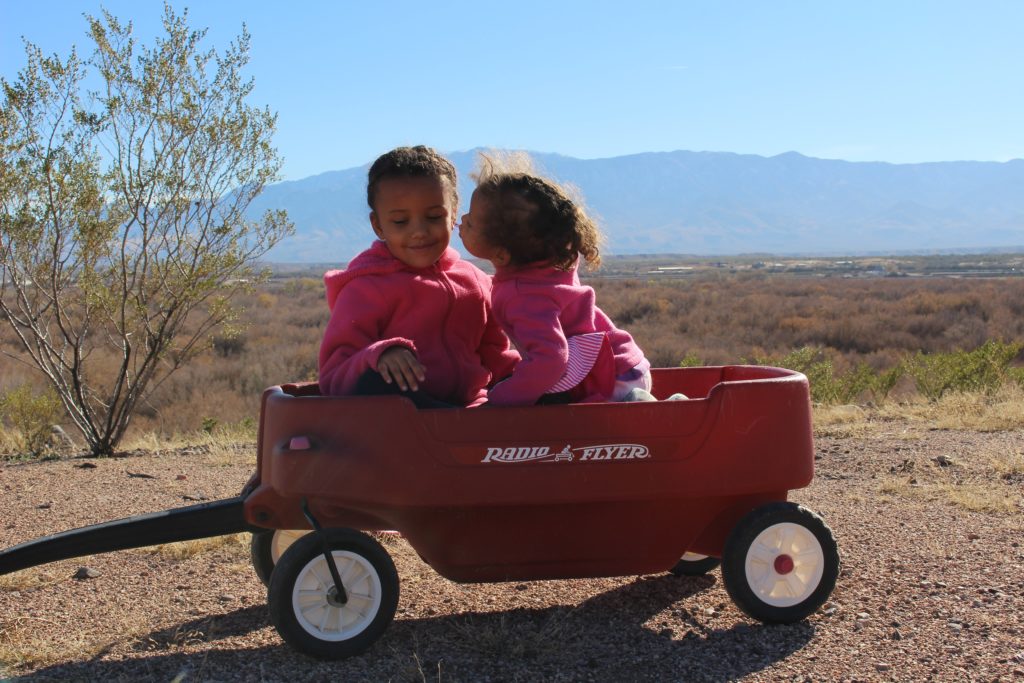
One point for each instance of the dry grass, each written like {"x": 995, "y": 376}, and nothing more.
{"x": 26, "y": 579}
{"x": 235, "y": 543}
{"x": 1002, "y": 410}
{"x": 987, "y": 481}
{"x": 10, "y": 441}
{"x": 29, "y": 641}
{"x": 980, "y": 496}
{"x": 843, "y": 421}
{"x": 1008, "y": 463}
{"x": 979, "y": 412}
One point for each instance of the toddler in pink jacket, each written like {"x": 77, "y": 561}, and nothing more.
{"x": 408, "y": 315}
{"x": 535, "y": 236}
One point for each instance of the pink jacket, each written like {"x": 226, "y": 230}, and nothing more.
{"x": 441, "y": 313}
{"x": 539, "y": 308}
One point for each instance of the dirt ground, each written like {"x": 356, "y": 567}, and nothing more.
{"x": 929, "y": 525}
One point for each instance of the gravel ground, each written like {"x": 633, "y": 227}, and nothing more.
{"x": 929, "y": 524}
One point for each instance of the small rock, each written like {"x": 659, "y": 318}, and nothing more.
{"x": 829, "y": 611}
{"x": 181, "y": 477}
{"x": 226, "y": 598}
{"x": 953, "y": 626}
{"x": 973, "y": 537}
{"x": 882, "y": 666}
{"x": 44, "y": 506}
{"x": 86, "y": 466}
{"x": 925, "y": 584}
{"x": 863, "y": 615}
{"x": 942, "y": 461}
{"x": 896, "y": 635}
{"x": 941, "y": 584}
{"x": 197, "y": 496}
{"x": 710, "y": 612}
{"x": 139, "y": 475}
{"x": 86, "y": 573}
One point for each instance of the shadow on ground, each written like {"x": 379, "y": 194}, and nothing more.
{"x": 642, "y": 631}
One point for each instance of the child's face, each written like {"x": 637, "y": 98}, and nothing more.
{"x": 471, "y": 230}
{"x": 414, "y": 217}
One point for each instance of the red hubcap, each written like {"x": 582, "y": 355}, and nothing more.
{"x": 783, "y": 564}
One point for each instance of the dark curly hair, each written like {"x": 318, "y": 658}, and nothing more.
{"x": 412, "y": 162}
{"x": 534, "y": 220}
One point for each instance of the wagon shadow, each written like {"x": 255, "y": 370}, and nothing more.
{"x": 645, "y": 632}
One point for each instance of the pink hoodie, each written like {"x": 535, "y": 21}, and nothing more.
{"x": 540, "y": 308}
{"x": 441, "y": 313}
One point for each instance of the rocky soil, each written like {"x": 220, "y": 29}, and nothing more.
{"x": 929, "y": 525}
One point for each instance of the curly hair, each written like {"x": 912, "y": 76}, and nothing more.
{"x": 533, "y": 218}
{"x": 412, "y": 162}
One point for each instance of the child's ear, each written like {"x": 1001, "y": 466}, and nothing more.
{"x": 375, "y": 222}
{"x": 501, "y": 257}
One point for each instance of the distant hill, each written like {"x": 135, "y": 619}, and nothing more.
{"x": 717, "y": 203}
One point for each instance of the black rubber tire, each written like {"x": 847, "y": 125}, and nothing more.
{"x": 695, "y": 567}
{"x": 739, "y": 544}
{"x": 296, "y": 563}
{"x": 260, "y": 552}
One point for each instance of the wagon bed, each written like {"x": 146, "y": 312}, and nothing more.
{"x": 541, "y": 492}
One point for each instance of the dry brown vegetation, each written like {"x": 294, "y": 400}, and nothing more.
{"x": 713, "y": 316}
{"x": 725, "y": 318}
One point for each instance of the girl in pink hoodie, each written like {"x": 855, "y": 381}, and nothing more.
{"x": 408, "y": 315}
{"x": 535, "y": 236}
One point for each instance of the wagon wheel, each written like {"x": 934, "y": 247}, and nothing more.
{"x": 780, "y": 563}
{"x": 307, "y": 609}
{"x": 267, "y": 547}
{"x": 694, "y": 564}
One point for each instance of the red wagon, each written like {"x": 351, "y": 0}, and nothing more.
{"x": 502, "y": 494}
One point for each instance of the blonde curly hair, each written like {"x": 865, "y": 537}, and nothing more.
{"x": 532, "y": 218}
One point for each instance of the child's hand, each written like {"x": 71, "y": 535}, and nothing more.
{"x": 400, "y": 365}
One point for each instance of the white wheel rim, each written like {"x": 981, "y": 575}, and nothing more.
{"x": 282, "y": 539}
{"x": 693, "y": 557}
{"x": 779, "y": 581}
{"x": 323, "y": 617}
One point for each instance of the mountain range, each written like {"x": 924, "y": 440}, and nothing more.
{"x": 715, "y": 203}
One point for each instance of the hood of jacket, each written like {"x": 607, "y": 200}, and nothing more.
{"x": 375, "y": 261}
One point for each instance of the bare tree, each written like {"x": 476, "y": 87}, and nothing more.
{"x": 123, "y": 234}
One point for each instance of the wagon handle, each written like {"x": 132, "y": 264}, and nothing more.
{"x": 341, "y": 595}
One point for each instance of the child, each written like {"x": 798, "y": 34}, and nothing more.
{"x": 535, "y": 235}
{"x": 407, "y": 315}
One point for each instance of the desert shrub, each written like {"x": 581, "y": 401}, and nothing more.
{"x": 811, "y": 362}
{"x": 228, "y": 345}
{"x": 690, "y": 360}
{"x": 884, "y": 382}
{"x": 984, "y": 369}
{"x": 827, "y": 386}
{"x": 32, "y": 414}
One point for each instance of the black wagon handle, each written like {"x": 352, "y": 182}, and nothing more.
{"x": 341, "y": 596}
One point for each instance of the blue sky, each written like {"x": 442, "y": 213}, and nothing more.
{"x": 905, "y": 81}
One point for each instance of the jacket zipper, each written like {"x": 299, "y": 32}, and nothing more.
{"x": 447, "y": 314}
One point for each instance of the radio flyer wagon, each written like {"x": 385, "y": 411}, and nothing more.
{"x": 512, "y": 494}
